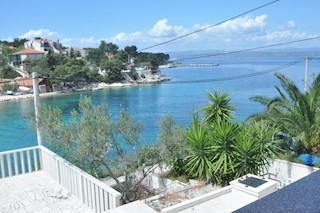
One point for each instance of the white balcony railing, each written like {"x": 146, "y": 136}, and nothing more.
{"x": 19, "y": 161}
{"x": 92, "y": 192}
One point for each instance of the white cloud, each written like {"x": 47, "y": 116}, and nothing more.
{"x": 213, "y": 37}
{"x": 43, "y": 33}
{"x": 88, "y": 41}
{"x": 7, "y": 39}
{"x": 162, "y": 29}
{"x": 234, "y": 34}
{"x": 291, "y": 24}
{"x": 81, "y": 42}
{"x": 280, "y": 35}
{"x": 242, "y": 25}
{"x": 123, "y": 37}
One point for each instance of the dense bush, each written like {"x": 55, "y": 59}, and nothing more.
{"x": 220, "y": 149}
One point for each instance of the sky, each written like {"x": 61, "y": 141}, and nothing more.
{"x": 83, "y": 23}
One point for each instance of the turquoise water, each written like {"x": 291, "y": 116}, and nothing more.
{"x": 150, "y": 103}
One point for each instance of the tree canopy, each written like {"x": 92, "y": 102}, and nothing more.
{"x": 94, "y": 140}
{"x": 295, "y": 113}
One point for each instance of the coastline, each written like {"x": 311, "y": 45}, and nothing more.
{"x": 100, "y": 86}
{"x": 6, "y": 98}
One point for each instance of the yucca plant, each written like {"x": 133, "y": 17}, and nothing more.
{"x": 223, "y": 135}
{"x": 199, "y": 160}
{"x": 255, "y": 145}
{"x": 218, "y": 108}
{"x": 246, "y": 152}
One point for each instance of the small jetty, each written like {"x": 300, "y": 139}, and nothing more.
{"x": 197, "y": 65}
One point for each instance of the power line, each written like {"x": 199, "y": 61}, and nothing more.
{"x": 227, "y": 78}
{"x": 247, "y": 50}
{"x": 205, "y": 28}
{"x": 238, "y": 76}
{"x": 230, "y": 77}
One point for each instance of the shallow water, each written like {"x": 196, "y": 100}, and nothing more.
{"x": 150, "y": 103}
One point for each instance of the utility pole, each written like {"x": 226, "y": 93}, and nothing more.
{"x": 36, "y": 104}
{"x": 306, "y": 75}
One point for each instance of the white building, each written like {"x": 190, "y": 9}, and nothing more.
{"x": 82, "y": 52}
{"x": 44, "y": 45}
{"x": 17, "y": 59}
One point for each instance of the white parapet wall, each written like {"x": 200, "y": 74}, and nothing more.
{"x": 266, "y": 187}
{"x": 197, "y": 200}
{"x": 162, "y": 184}
{"x": 287, "y": 172}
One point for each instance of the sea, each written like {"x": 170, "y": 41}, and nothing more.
{"x": 184, "y": 95}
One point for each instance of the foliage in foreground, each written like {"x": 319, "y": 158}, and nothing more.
{"x": 171, "y": 145}
{"x": 297, "y": 114}
{"x": 6, "y": 71}
{"x": 92, "y": 140}
{"x": 216, "y": 149}
{"x": 222, "y": 150}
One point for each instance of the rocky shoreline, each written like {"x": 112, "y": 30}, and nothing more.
{"x": 100, "y": 86}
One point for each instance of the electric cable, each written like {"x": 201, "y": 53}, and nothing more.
{"x": 239, "y": 76}
{"x": 249, "y": 75}
{"x": 247, "y": 50}
{"x": 205, "y": 28}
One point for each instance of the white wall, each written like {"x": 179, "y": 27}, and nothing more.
{"x": 287, "y": 172}
{"x": 34, "y": 45}
{"x": 31, "y": 56}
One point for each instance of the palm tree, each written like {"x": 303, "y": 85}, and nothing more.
{"x": 218, "y": 107}
{"x": 296, "y": 113}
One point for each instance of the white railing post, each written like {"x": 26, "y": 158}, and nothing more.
{"x": 23, "y": 166}
{"x": 15, "y": 161}
{"x": 3, "y": 172}
{"x": 9, "y": 164}
{"x": 35, "y": 162}
{"x": 29, "y": 161}
{"x": 88, "y": 189}
{"x": 12, "y": 162}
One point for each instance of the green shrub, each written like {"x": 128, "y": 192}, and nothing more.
{"x": 9, "y": 87}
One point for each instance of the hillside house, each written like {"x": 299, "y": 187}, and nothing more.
{"x": 44, "y": 45}
{"x": 78, "y": 51}
{"x": 17, "y": 59}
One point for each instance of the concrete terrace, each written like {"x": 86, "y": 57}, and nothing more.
{"x": 37, "y": 192}
{"x": 228, "y": 202}
{"x": 226, "y": 199}
{"x": 37, "y": 180}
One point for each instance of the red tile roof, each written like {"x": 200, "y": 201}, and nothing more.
{"x": 109, "y": 55}
{"x": 28, "y": 51}
{"x": 25, "y": 81}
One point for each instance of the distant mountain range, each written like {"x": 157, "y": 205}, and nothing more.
{"x": 287, "y": 52}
